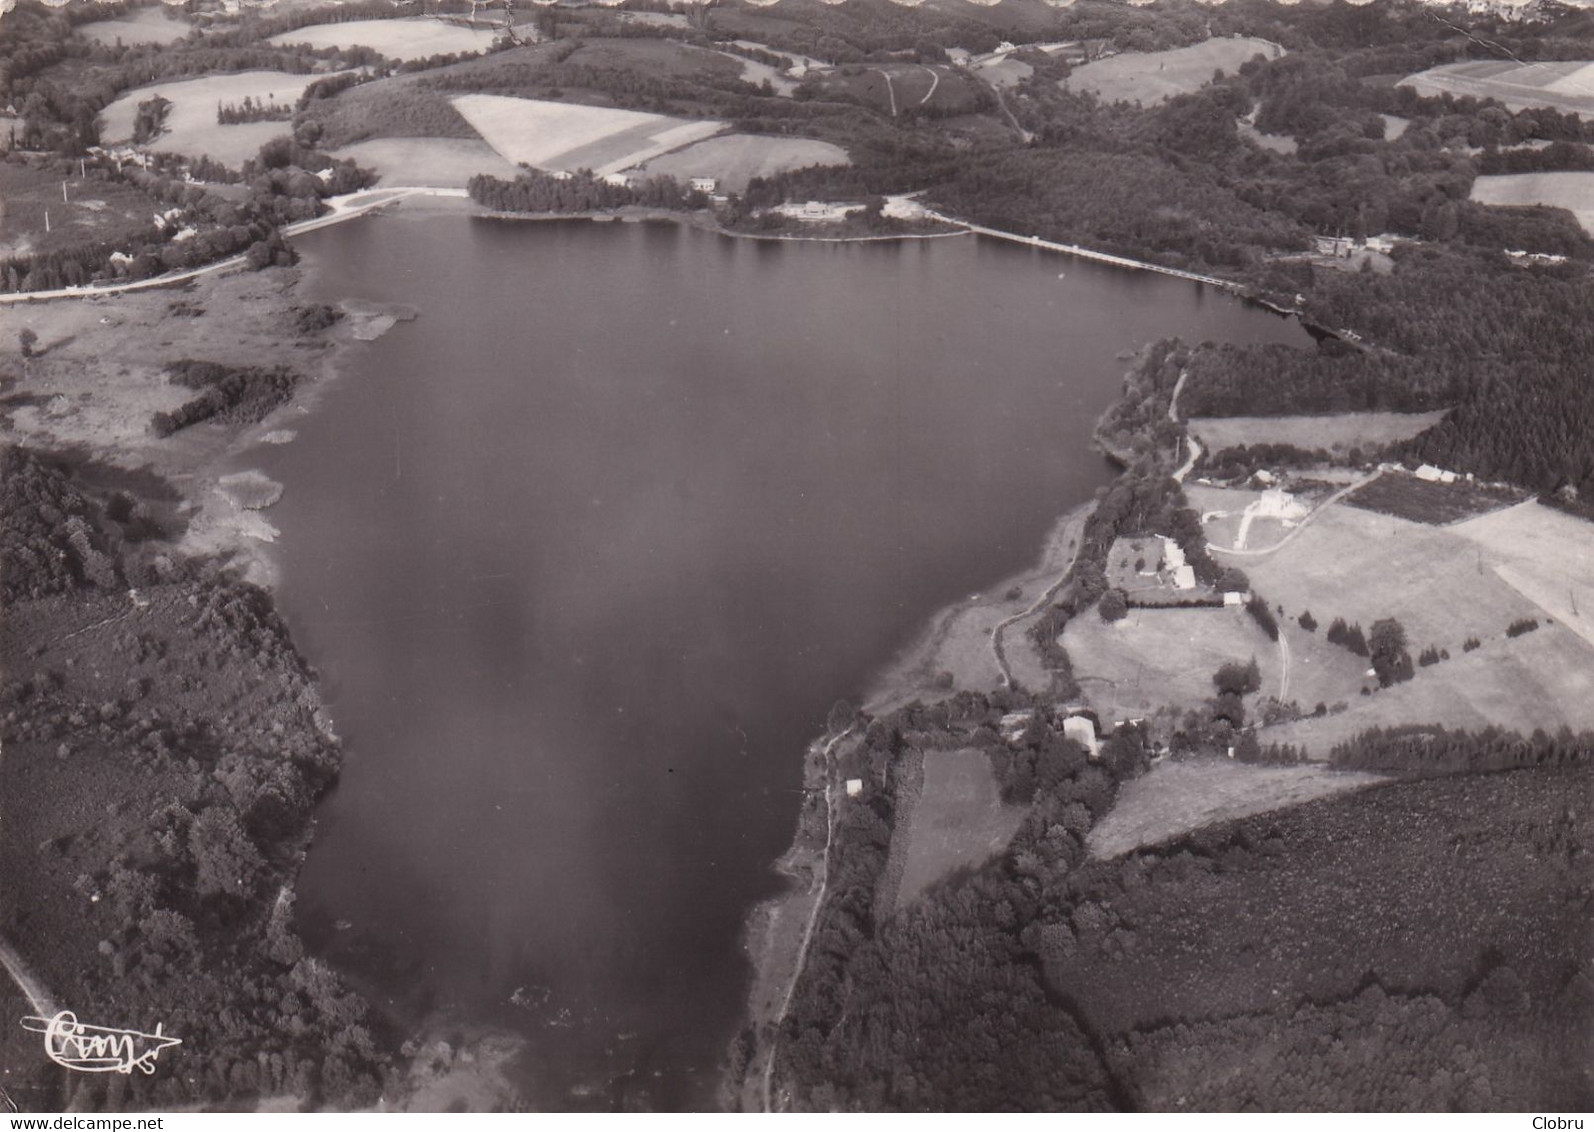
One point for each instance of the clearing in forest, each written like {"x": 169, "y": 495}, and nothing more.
{"x": 1338, "y": 433}
{"x": 141, "y": 25}
{"x": 191, "y": 126}
{"x": 1566, "y": 86}
{"x": 559, "y": 136}
{"x": 399, "y": 40}
{"x": 1175, "y": 797}
{"x": 1156, "y": 76}
{"x": 957, "y": 820}
{"x": 1571, "y": 191}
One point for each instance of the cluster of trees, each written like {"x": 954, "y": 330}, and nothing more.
{"x": 1431, "y": 655}
{"x": 1386, "y": 646}
{"x": 1347, "y": 636}
{"x": 232, "y": 394}
{"x": 1260, "y": 612}
{"x": 535, "y": 191}
{"x": 1245, "y": 460}
{"x": 48, "y": 541}
{"x": 149, "y": 122}
{"x": 235, "y": 113}
{"x": 1439, "y": 750}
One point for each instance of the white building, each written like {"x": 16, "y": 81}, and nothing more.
{"x": 1172, "y": 554}
{"x": 1081, "y": 730}
{"x": 1184, "y": 578}
{"x": 854, "y": 787}
{"x": 704, "y": 184}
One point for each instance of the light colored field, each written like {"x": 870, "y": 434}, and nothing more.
{"x": 1005, "y": 72}
{"x": 563, "y": 136}
{"x": 1176, "y": 797}
{"x": 1541, "y": 679}
{"x": 1364, "y": 566}
{"x": 1156, "y": 657}
{"x": 400, "y": 40}
{"x": 1566, "y": 86}
{"x": 735, "y": 159}
{"x": 1545, "y": 555}
{"x": 1339, "y": 433}
{"x": 1444, "y": 584}
{"x": 435, "y": 162}
{"x": 1394, "y": 126}
{"x": 144, "y": 25}
{"x": 959, "y": 820}
{"x": 1156, "y": 76}
{"x": 191, "y": 124}
{"x": 1571, "y": 191}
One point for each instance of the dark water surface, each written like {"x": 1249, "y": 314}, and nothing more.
{"x": 586, "y": 552}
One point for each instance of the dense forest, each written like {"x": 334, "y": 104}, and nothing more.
{"x": 195, "y": 738}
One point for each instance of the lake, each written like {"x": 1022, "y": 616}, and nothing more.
{"x": 585, "y": 553}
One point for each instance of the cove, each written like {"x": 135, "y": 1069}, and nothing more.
{"x": 585, "y": 553}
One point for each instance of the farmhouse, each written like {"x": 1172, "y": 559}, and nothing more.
{"x": 704, "y": 184}
{"x": 817, "y": 211}
{"x": 1430, "y": 474}
{"x": 1184, "y": 578}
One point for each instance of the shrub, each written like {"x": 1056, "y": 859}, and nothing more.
{"x": 1521, "y": 625}
{"x": 1307, "y": 621}
{"x": 1114, "y": 606}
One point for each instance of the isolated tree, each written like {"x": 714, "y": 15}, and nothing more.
{"x": 1386, "y": 646}
{"x": 1114, "y": 606}
{"x": 28, "y": 340}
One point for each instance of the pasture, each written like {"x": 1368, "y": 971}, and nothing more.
{"x": 191, "y": 127}
{"x": 1547, "y": 556}
{"x": 1571, "y": 191}
{"x": 141, "y": 25}
{"x": 1156, "y": 76}
{"x": 446, "y": 163}
{"x": 735, "y": 159}
{"x": 1156, "y": 657}
{"x": 1278, "y": 143}
{"x": 399, "y": 40}
{"x": 563, "y": 136}
{"x": 93, "y": 210}
{"x": 1176, "y": 797}
{"x": 1338, "y": 433}
{"x": 1565, "y": 86}
{"x": 957, "y": 821}
{"x": 1541, "y": 679}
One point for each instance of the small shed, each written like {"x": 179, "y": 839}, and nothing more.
{"x": 1233, "y": 598}
{"x": 854, "y": 787}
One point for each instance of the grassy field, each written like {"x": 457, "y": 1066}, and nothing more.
{"x": 1444, "y": 585}
{"x": 1565, "y": 86}
{"x": 401, "y": 40}
{"x": 1155, "y": 657}
{"x": 191, "y": 127}
{"x": 1571, "y": 191}
{"x": 438, "y": 162}
{"x": 142, "y": 25}
{"x": 1278, "y": 143}
{"x": 1421, "y": 501}
{"x": 911, "y": 85}
{"x": 1547, "y": 556}
{"x": 562, "y": 135}
{"x": 734, "y": 159}
{"x": 958, "y": 820}
{"x": 1156, "y": 76}
{"x": 93, "y": 210}
{"x": 1176, "y": 797}
{"x": 1338, "y": 433}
